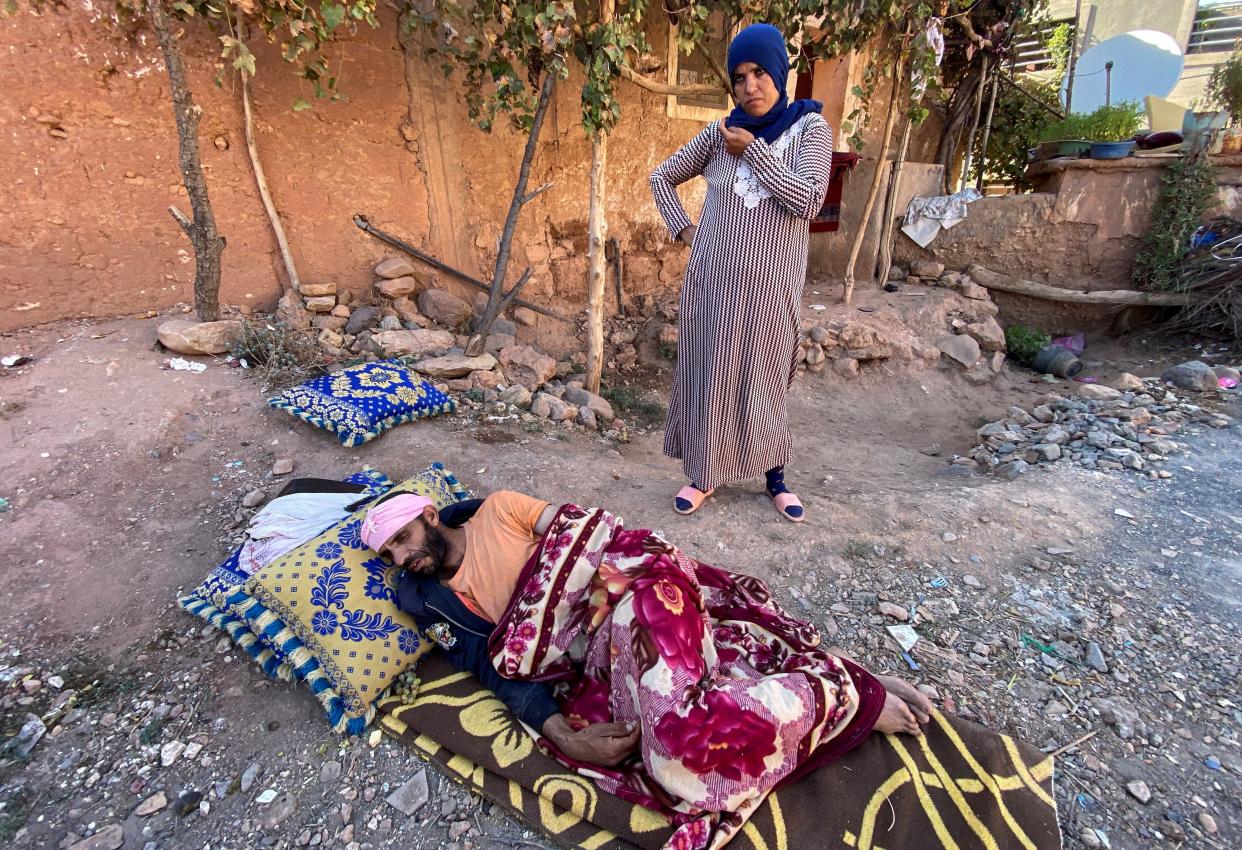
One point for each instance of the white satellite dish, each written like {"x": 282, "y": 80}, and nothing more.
{"x": 1143, "y": 62}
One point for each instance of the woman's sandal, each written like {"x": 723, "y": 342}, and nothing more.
{"x": 689, "y": 499}
{"x": 789, "y": 506}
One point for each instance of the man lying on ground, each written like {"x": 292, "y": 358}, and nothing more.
{"x": 671, "y": 683}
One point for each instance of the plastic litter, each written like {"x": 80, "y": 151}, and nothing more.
{"x": 180, "y": 364}
{"x": 1027, "y": 640}
{"x": 1225, "y": 383}
{"x": 1075, "y": 343}
{"x": 910, "y": 662}
{"x": 939, "y": 581}
{"x": 10, "y": 361}
{"x": 1212, "y": 763}
{"x": 905, "y": 636}
{"x": 24, "y": 741}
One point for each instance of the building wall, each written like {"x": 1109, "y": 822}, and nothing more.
{"x": 86, "y": 125}
{"x": 90, "y": 153}
{"x": 1103, "y": 20}
{"x": 1079, "y": 230}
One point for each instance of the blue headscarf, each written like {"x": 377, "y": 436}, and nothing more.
{"x": 764, "y": 45}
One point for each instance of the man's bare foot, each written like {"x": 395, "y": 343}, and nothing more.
{"x": 896, "y": 717}
{"x": 917, "y": 701}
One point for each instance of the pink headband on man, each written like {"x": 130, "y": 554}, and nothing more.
{"x": 390, "y": 516}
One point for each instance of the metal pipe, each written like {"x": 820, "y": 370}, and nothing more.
{"x": 1073, "y": 57}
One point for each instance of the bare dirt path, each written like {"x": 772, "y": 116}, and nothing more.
{"x": 124, "y": 482}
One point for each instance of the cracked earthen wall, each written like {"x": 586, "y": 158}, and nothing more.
{"x": 88, "y": 152}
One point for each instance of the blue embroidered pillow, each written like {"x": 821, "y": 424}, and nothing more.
{"x": 362, "y": 402}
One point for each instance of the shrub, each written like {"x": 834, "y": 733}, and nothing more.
{"x": 1024, "y": 343}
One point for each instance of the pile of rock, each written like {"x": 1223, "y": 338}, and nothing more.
{"x": 1103, "y": 428}
{"x": 973, "y": 340}
{"x": 845, "y": 346}
{"x": 932, "y": 273}
{"x": 425, "y": 326}
{"x": 646, "y": 336}
{"x": 406, "y": 316}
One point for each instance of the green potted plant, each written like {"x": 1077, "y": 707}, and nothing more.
{"x": 1111, "y": 130}
{"x": 1066, "y": 137}
{"x": 1224, "y": 91}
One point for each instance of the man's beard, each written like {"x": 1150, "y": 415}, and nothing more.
{"x": 435, "y": 549}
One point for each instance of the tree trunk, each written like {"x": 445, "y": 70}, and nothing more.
{"x": 899, "y": 66}
{"x": 987, "y": 129}
{"x": 596, "y": 265}
{"x": 886, "y": 230}
{"x": 954, "y": 124}
{"x": 597, "y": 260}
{"x": 974, "y": 124}
{"x": 497, "y": 299}
{"x": 260, "y": 178}
{"x": 207, "y": 243}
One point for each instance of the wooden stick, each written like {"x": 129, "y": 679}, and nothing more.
{"x": 1006, "y": 283}
{"x": 881, "y": 163}
{"x": 260, "y": 179}
{"x": 364, "y": 225}
{"x": 618, "y": 268}
{"x": 1073, "y": 744}
{"x": 652, "y": 86}
{"x": 887, "y": 236}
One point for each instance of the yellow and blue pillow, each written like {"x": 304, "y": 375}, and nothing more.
{"x": 209, "y": 600}
{"x": 361, "y": 402}
{"x": 325, "y": 613}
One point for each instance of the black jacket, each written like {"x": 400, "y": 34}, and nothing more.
{"x": 462, "y": 635}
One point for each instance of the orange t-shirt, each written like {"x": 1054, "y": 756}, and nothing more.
{"x": 500, "y": 539}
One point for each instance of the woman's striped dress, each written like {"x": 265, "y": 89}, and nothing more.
{"x": 738, "y": 324}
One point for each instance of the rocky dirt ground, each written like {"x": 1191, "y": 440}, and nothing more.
{"x": 1068, "y": 602}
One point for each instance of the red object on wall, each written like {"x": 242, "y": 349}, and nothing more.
{"x": 829, "y": 218}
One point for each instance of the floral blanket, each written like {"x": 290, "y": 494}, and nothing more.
{"x": 734, "y": 696}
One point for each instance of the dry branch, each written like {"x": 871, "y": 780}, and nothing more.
{"x": 664, "y": 88}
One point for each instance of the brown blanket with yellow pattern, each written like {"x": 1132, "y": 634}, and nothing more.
{"x": 958, "y": 786}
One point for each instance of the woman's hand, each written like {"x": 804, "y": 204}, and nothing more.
{"x": 736, "y": 139}
{"x": 687, "y": 234}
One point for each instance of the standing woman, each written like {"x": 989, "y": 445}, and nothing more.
{"x": 767, "y": 167}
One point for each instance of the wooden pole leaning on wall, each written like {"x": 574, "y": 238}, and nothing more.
{"x": 364, "y": 225}
{"x": 260, "y": 178}
{"x": 899, "y": 65}
{"x": 887, "y": 236}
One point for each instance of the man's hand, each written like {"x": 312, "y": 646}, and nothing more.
{"x": 687, "y": 234}
{"x": 605, "y": 744}
{"x": 736, "y": 139}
